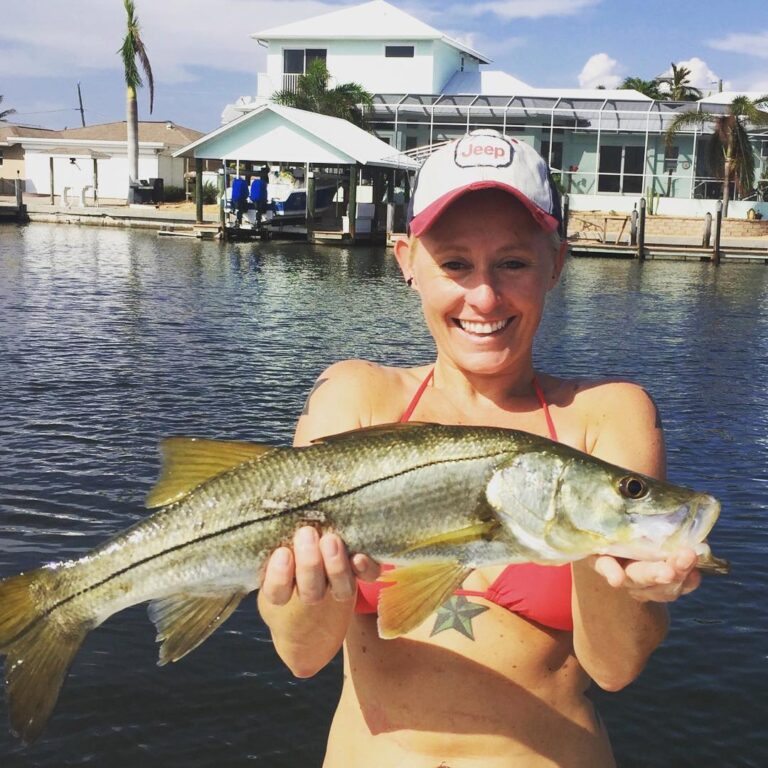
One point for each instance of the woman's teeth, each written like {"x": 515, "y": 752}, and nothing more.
{"x": 482, "y": 329}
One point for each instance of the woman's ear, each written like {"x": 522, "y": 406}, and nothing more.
{"x": 404, "y": 254}
{"x": 559, "y": 262}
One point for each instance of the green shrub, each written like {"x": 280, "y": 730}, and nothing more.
{"x": 174, "y": 194}
{"x": 210, "y": 193}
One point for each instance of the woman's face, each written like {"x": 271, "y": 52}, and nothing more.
{"x": 483, "y": 271}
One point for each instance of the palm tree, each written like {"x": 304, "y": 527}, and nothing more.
{"x": 348, "y": 100}
{"x": 4, "y": 114}
{"x": 731, "y": 155}
{"x": 131, "y": 50}
{"x": 680, "y": 88}
{"x": 649, "y": 88}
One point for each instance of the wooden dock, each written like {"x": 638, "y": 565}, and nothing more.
{"x": 13, "y": 212}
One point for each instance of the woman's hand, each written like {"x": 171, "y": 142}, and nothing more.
{"x": 658, "y": 581}
{"x": 317, "y": 565}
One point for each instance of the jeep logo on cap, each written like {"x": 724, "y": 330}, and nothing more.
{"x": 483, "y": 150}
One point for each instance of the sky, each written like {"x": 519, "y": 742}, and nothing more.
{"x": 203, "y": 57}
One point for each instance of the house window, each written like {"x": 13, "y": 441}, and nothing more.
{"x": 1, "y": 156}
{"x": 296, "y": 60}
{"x": 462, "y": 63}
{"x": 621, "y": 169}
{"x": 556, "y": 161}
{"x": 399, "y": 51}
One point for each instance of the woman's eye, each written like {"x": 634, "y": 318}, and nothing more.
{"x": 513, "y": 264}
{"x": 453, "y": 266}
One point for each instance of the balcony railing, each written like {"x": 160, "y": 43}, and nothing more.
{"x": 290, "y": 81}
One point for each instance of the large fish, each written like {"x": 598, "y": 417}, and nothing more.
{"x": 436, "y": 500}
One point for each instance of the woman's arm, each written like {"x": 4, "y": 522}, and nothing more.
{"x": 308, "y": 592}
{"x": 618, "y": 606}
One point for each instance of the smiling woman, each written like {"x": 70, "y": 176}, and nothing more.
{"x": 499, "y": 677}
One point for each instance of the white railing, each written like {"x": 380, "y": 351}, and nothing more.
{"x": 290, "y": 81}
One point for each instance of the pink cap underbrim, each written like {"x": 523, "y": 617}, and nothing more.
{"x": 420, "y": 223}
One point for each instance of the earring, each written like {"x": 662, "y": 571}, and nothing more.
{"x": 409, "y": 282}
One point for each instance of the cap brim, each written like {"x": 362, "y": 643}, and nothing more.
{"x": 420, "y": 223}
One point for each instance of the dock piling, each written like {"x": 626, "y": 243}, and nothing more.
{"x": 641, "y": 231}
{"x": 566, "y": 212}
{"x": 707, "y": 237}
{"x": 718, "y": 229}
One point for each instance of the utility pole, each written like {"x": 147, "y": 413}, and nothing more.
{"x": 80, "y": 99}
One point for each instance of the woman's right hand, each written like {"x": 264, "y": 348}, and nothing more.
{"x": 315, "y": 566}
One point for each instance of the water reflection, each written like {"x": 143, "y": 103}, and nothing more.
{"x": 113, "y": 338}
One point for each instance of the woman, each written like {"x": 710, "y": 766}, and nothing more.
{"x": 498, "y": 678}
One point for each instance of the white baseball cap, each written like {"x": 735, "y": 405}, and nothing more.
{"x": 484, "y": 159}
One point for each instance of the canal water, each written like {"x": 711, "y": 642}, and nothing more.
{"x": 110, "y": 339}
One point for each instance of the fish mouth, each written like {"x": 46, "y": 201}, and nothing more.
{"x": 705, "y": 511}
{"x": 687, "y": 526}
{"x": 482, "y": 328}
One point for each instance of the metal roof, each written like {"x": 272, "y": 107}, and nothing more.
{"x": 273, "y": 133}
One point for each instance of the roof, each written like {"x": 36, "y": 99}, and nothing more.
{"x": 375, "y": 20}
{"x": 283, "y": 134}
{"x": 486, "y": 83}
{"x": 9, "y": 131}
{"x": 162, "y": 132}
{"x": 726, "y": 97}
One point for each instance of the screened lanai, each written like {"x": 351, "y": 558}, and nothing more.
{"x": 595, "y": 143}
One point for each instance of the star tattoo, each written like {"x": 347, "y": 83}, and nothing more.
{"x": 457, "y": 613}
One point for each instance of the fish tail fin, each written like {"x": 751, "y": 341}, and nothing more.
{"x": 38, "y": 650}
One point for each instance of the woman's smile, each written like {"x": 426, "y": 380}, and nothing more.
{"x": 483, "y": 328}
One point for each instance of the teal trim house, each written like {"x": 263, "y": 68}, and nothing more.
{"x": 606, "y": 147}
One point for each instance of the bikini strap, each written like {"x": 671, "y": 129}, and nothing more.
{"x": 415, "y": 399}
{"x": 542, "y": 400}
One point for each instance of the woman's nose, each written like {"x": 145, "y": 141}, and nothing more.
{"x": 483, "y": 294}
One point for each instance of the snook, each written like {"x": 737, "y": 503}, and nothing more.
{"x": 437, "y": 500}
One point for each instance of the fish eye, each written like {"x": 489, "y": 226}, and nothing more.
{"x": 633, "y": 487}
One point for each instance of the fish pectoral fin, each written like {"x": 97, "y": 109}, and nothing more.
{"x": 485, "y": 529}
{"x": 184, "y": 621}
{"x": 414, "y": 592}
{"x": 190, "y": 461}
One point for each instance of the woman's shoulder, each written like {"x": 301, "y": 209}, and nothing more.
{"x": 356, "y": 393}
{"x": 604, "y": 395}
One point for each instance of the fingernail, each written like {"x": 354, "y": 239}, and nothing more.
{"x": 305, "y": 537}
{"x": 281, "y": 558}
{"x": 330, "y": 546}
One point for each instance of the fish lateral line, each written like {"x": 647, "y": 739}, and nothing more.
{"x": 252, "y": 521}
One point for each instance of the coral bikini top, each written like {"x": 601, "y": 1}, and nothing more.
{"x": 540, "y": 593}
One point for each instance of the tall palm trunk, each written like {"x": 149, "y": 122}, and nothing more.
{"x": 727, "y": 171}
{"x": 132, "y": 129}
{"x": 131, "y": 50}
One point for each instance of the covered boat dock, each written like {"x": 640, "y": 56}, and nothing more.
{"x": 326, "y": 178}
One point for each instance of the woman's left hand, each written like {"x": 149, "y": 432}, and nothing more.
{"x": 659, "y": 581}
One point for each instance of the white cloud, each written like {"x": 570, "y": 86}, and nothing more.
{"x": 701, "y": 77}
{"x": 531, "y": 9}
{"x": 750, "y": 44}
{"x": 600, "y": 69}
{"x": 49, "y": 37}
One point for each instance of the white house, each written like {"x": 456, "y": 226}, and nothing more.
{"x": 374, "y": 44}
{"x": 84, "y": 164}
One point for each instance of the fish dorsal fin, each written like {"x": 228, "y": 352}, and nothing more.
{"x": 185, "y": 621}
{"x": 190, "y": 461}
{"x": 378, "y": 429}
{"x": 414, "y": 592}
